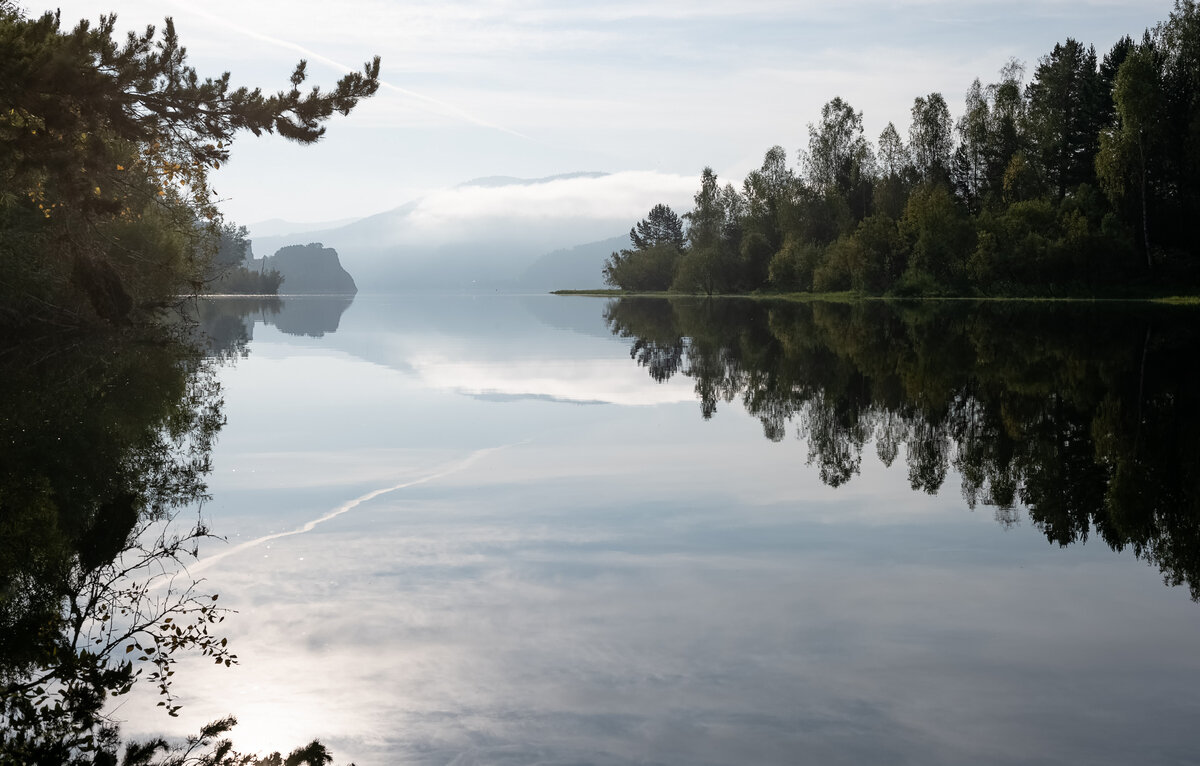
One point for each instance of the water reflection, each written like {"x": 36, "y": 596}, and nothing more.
{"x": 443, "y": 568}
{"x": 228, "y": 322}
{"x": 1085, "y": 415}
{"x": 103, "y": 439}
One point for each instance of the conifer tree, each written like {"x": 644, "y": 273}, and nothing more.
{"x": 107, "y": 149}
{"x": 1066, "y": 111}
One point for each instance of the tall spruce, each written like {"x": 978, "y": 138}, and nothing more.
{"x": 1066, "y": 115}
{"x": 661, "y": 226}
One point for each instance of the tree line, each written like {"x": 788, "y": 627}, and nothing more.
{"x": 1082, "y": 180}
{"x": 106, "y": 146}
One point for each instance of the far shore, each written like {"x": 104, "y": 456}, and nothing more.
{"x": 850, "y": 297}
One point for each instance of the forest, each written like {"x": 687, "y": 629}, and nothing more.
{"x": 1079, "y": 181}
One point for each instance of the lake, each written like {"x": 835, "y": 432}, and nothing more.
{"x": 501, "y": 529}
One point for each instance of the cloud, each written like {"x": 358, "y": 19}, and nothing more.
{"x": 619, "y": 197}
{"x": 649, "y": 619}
{"x": 611, "y": 381}
{"x": 671, "y": 85}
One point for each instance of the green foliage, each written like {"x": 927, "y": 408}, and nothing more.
{"x": 1064, "y": 246}
{"x": 1020, "y": 181}
{"x": 1066, "y": 109}
{"x": 883, "y": 255}
{"x": 1179, "y": 48}
{"x": 839, "y": 158}
{"x": 661, "y": 226}
{"x": 1127, "y": 163}
{"x": 823, "y": 217}
{"x": 105, "y": 213}
{"x": 895, "y": 174}
{"x": 239, "y": 280}
{"x": 701, "y": 271}
{"x": 792, "y": 267}
{"x": 938, "y": 235}
{"x": 931, "y": 137}
{"x": 229, "y": 270}
{"x": 233, "y": 246}
{"x": 756, "y": 254}
{"x": 970, "y": 164}
{"x": 894, "y": 157}
{"x": 842, "y": 260}
{"x": 658, "y": 243}
{"x": 712, "y": 261}
{"x": 770, "y": 210}
{"x": 1011, "y": 207}
{"x": 107, "y": 148}
{"x": 993, "y": 131}
{"x": 643, "y": 270}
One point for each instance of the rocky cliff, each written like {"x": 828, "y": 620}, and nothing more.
{"x": 309, "y": 269}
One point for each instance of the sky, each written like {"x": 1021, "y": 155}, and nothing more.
{"x": 532, "y": 88}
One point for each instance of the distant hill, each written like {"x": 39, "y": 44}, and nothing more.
{"x": 359, "y": 229}
{"x": 578, "y": 267}
{"x": 311, "y": 269}
{"x": 375, "y": 229}
{"x": 496, "y": 232}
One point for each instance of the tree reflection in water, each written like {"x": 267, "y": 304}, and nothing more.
{"x": 104, "y": 441}
{"x": 1082, "y": 415}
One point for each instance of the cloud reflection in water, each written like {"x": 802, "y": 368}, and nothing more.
{"x": 636, "y": 585}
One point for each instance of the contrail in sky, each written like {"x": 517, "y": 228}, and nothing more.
{"x": 442, "y": 105}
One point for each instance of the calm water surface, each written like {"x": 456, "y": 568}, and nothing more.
{"x": 512, "y": 530}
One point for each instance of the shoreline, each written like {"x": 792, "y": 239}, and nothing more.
{"x": 851, "y": 297}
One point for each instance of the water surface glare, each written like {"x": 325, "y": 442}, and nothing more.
{"x": 473, "y": 530}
